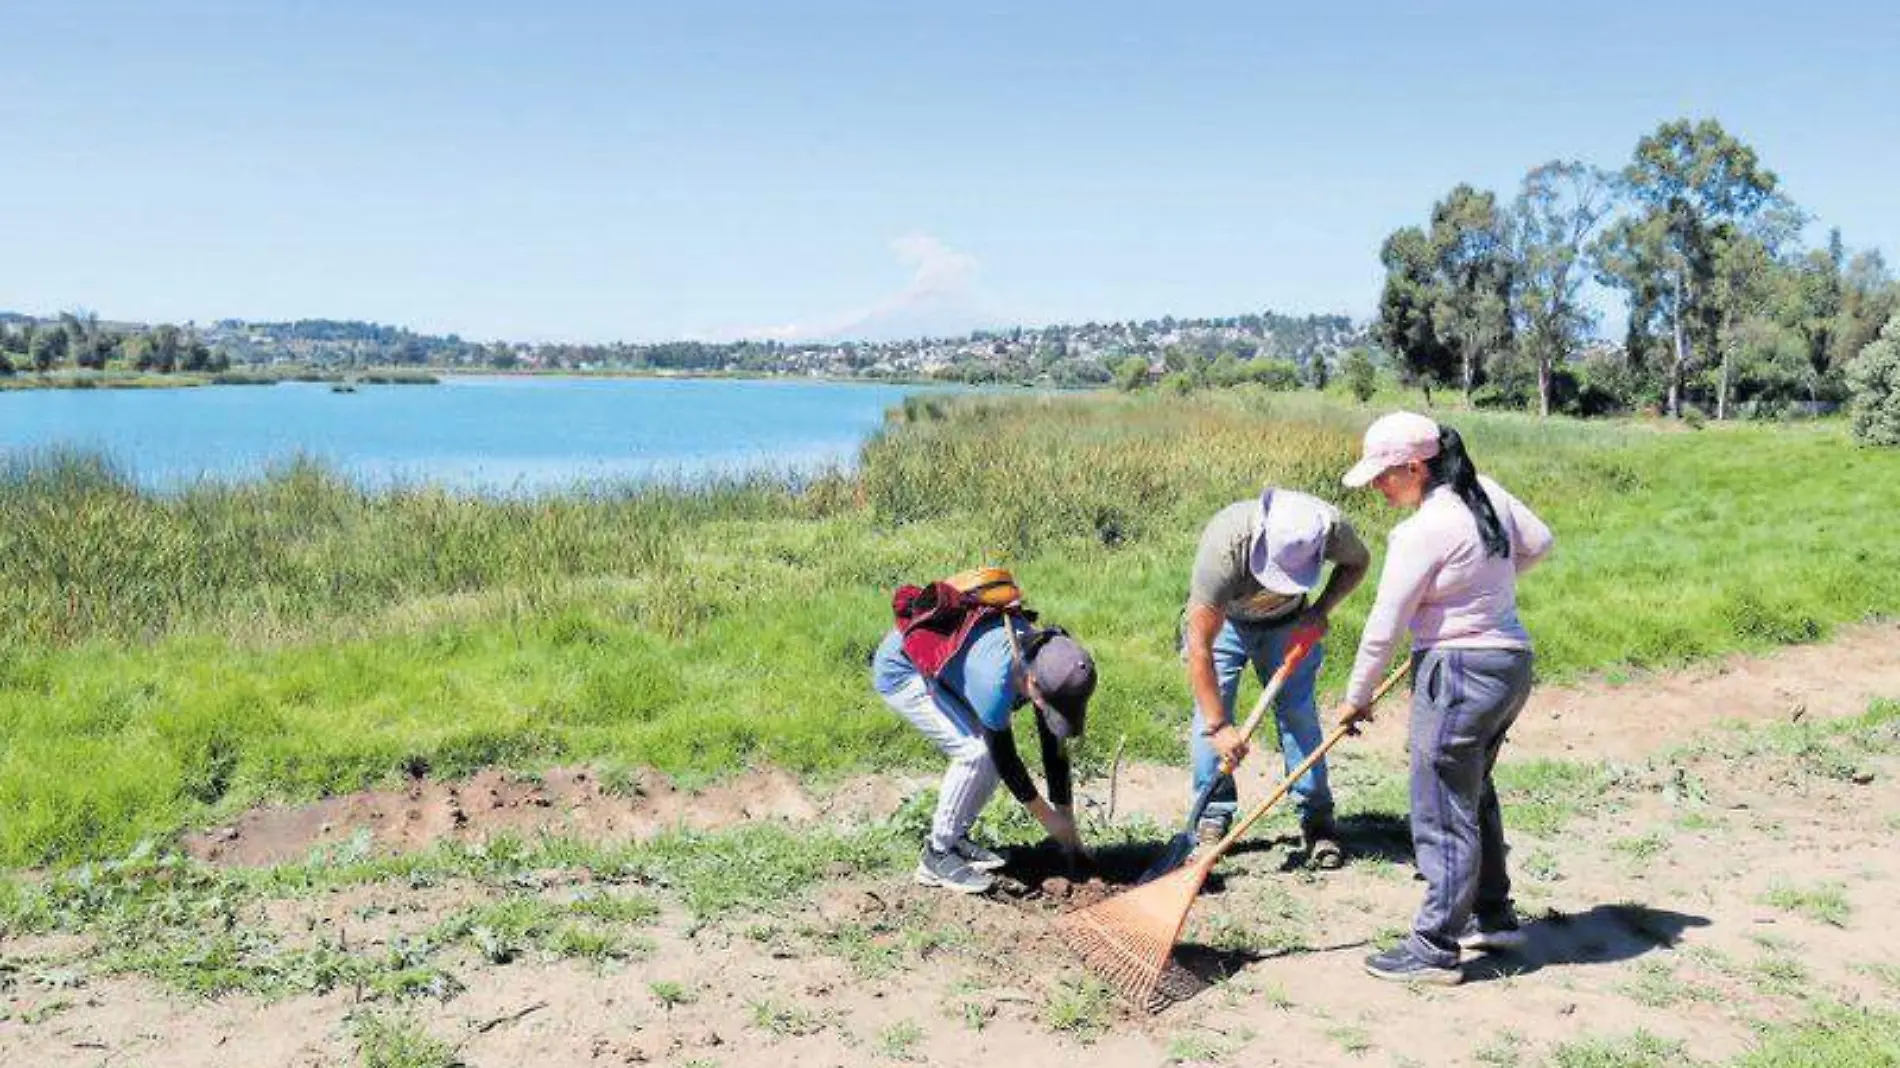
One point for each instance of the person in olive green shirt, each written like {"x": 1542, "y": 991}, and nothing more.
{"x": 1254, "y": 575}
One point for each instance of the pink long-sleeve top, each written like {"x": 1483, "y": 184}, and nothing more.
{"x": 1438, "y": 581}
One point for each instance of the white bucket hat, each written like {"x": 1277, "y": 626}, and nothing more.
{"x": 1392, "y": 440}
{"x": 1289, "y": 544}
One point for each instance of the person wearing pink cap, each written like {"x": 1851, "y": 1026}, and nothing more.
{"x": 1450, "y": 575}
{"x": 1252, "y": 587}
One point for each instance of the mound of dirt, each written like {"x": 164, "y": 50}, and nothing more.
{"x": 1075, "y": 893}
{"x": 562, "y": 801}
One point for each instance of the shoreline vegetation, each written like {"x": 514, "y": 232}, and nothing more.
{"x": 190, "y": 380}
{"x": 294, "y": 637}
{"x": 437, "y": 375}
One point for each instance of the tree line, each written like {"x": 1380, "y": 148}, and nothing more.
{"x": 1727, "y": 309}
{"x": 1058, "y": 354}
{"x": 80, "y": 340}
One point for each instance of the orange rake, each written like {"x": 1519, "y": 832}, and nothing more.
{"x": 1129, "y": 939}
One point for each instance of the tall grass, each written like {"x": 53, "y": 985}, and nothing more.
{"x": 85, "y": 554}
{"x": 167, "y": 658}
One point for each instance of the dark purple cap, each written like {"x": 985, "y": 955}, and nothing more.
{"x": 1065, "y": 677}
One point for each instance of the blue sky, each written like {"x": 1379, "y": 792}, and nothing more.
{"x": 711, "y": 169}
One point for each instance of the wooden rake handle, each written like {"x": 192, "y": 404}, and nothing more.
{"x": 1294, "y": 776}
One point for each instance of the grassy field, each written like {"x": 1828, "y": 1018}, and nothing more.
{"x": 167, "y": 660}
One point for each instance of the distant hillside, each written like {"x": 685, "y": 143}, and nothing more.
{"x": 1303, "y": 346}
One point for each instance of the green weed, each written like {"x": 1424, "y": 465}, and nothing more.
{"x": 1195, "y": 1047}
{"x": 1504, "y": 1051}
{"x": 614, "y": 908}
{"x": 45, "y": 1011}
{"x": 899, "y": 1040}
{"x": 1886, "y": 973}
{"x": 670, "y": 994}
{"x": 1780, "y": 976}
{"x": 1638, "y": 1050}
{"x": 389, "y": 1041}
{"x": 782, "y": 1019}
{"x": 1826, "y": 903}
{"x": 1835, "y": 1035}
{"x": 573, "y": 940}
{"x": 1656, "y": 986}
{"x": 1542, "y": 864}
{"x": 1078, "y": 1007}
{"x": 1351, "y": 1038}
{"x": 1642, "y": 849}
{"x": 1542, "y": 796}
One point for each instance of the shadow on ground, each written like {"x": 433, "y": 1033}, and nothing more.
{"x": 1603, "y": 935}
{"x": 1383, "y": 836}
{"x": 1365, "y": 836}
{"x": 1116, "y": 865}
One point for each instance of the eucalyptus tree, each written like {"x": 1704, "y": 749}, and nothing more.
{"x": 1446, "y": 304}
{"x": 1692, "y": 184}
{"x": 1558, "y": 209}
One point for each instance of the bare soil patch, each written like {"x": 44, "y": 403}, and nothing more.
{"x": 570, "y": 801}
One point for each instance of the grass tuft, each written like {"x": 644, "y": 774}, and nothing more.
{"x": 1826, "y": 903}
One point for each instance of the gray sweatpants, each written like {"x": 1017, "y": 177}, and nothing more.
{"x": 1463, "y": 701}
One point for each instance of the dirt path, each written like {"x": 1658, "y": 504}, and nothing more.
{"x": 1648, "y": 713}
{"x": 1742, "y": 881}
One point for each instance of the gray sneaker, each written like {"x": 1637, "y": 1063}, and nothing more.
{"x": 1493, "y": 931}
{"x": 976, "y": 856}
{"x": 1400, "y": 965}
{"x": 951, "y": 872}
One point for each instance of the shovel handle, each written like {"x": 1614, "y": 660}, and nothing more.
{"x": 1302, "y": 644}
{"x": 1297, "y": 650}
{"x": 1297, "y": 773}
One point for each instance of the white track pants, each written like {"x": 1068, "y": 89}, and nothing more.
{"x": 971, "y": 777}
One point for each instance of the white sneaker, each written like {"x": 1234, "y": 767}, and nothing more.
{"x": 976, "y": 856}
{"x": 1499, "y": 932}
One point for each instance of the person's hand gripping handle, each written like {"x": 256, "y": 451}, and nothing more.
{"x": 1231, "y": 743}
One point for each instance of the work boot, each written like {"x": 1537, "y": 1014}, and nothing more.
{"x": 976, "y": 856}
{"x": 1321, "y": 836}
{"x": 1495, "y": 930}
{"x": 1208, "y": 831}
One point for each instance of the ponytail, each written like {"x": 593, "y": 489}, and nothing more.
{"x": 1453, "y": 467}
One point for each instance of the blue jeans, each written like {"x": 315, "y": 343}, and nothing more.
{"x": 1295, "y": 711}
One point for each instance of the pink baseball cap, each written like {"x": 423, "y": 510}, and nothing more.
{"x": 1392, "y": 440}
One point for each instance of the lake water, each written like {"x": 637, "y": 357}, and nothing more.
{"x": 501, "y": 434}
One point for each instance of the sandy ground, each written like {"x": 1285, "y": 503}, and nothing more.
{"x": 1650, "y": 911}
